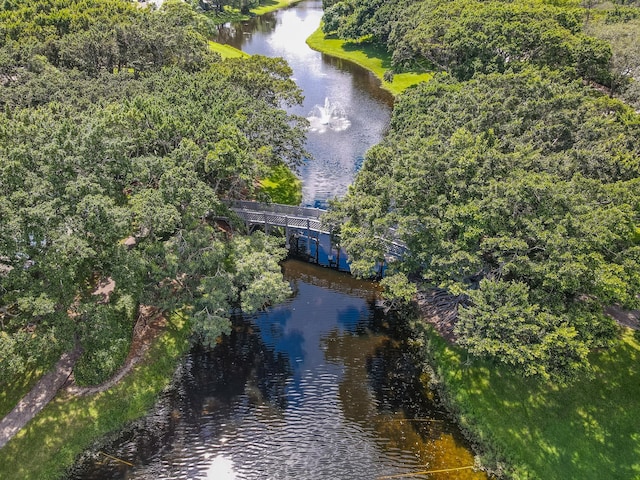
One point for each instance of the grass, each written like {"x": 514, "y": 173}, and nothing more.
{"x": 11, "y": 393}
{"x": 588, "y": 430}
{"x": 272, "y": 5}
{"x": 226, "y": 51}
{"x": 370, "y": 56}
{"x": 50, "y": 443}
{"x": 282, "y": 186}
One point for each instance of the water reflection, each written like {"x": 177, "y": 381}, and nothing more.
{"x": 317, "y": 388}
{"x": 337, "y": 153}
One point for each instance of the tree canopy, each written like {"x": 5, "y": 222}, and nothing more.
{"x": 140, "y": 138}
{"x": 519, "y": 191}
{"x": 464, "y": 37}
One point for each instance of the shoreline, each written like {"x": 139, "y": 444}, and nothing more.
{"x": 522, "y": 427}
{"x": 370, "y": 57}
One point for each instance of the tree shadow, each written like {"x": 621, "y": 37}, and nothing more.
{"x": 587, "y": 430}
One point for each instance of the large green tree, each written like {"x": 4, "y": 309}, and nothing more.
{"x": 519, "y": 191}
{"x": 139, "y": 137}
{"x": 464, "y": 37}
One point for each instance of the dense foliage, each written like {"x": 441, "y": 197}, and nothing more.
{"x": 140, "y": 140}
{"x": 465, "y": 37}
{"x": 520, "y": 191}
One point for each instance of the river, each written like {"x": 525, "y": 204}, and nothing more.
{"x": 324, "y": 386}
{"x": 337, "y": 147}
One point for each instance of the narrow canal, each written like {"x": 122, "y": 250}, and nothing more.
{"x": 361, "y": 109}
{"x": 324, "y": 386}
{"x": 321, "y": 387}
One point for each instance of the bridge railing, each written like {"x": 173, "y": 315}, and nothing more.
{"x": 281, "y": 220}
{"x": 273, "y": 214}
{"x": 287, "y": 210}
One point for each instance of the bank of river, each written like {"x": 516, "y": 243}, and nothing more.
{"x": 323, "y": 386}
{"x": 371, "y": 57}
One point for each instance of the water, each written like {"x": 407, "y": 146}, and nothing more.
{"x": 321, "y": 387}
{"x": 337, "y": 153}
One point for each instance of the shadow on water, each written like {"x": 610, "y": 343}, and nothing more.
{"x": 321, "y": 387}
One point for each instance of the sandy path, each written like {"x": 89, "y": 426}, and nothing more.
{"x": 39, "y": 396}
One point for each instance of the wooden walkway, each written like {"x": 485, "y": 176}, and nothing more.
{"x": 297, "y": 221}
{"x": 276, "y": 215}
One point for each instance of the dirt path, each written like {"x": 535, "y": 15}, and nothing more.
{"x": 626, "y": 318}
{"x": 149, "y": 325}
{"x": 39, "y": 396}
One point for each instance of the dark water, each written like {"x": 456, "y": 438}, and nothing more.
{"x": 337, "y": 154}
{"x": 320, "y": 387}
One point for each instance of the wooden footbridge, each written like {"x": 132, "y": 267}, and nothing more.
{"x": 301, "y": 223}
{"x": 277, "y": 215}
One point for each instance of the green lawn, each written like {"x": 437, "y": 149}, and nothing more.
{"x": 589, "y": 430}
{"x": 226, "y": 51}
{"x": 51, "y": 441}
{"x": 369, "y": 56}
{"x": 272, "y": 5}
{"x": 282, "y": 186}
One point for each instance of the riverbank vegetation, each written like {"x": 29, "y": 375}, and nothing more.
{"x": 530, "y": 429}
{"x": 121, "y": 134}
{"x": 596, "y": 41}
{"x": 513, "y": 178}
{"x": 518, "y": 193}
{"x": 64, "y": 429}
{"x": 223, "y": 11}
{"x": 373, "y": 57}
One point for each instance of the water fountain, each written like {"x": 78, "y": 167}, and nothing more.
{"x": 330, "y": 116}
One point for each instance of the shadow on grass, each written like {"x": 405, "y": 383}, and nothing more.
{"x": 587, "y": 430}
{"x": 370, "y": 51}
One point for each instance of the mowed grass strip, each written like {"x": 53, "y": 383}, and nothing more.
{"x": 370, "y": 56}
{"x": 272, "y": 5}
{"x": 226, "y": 51}
{"x": 50, "y": 443}
{"x": 587, "y": 430}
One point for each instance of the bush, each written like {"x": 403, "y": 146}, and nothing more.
{"x": 106, "y": 339}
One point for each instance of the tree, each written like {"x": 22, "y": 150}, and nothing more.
{"x": 504, "y": 324}
{"x": 518, "y": 189}
{"x": 92, "y": 153}
{"x": 465, "y": 37}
